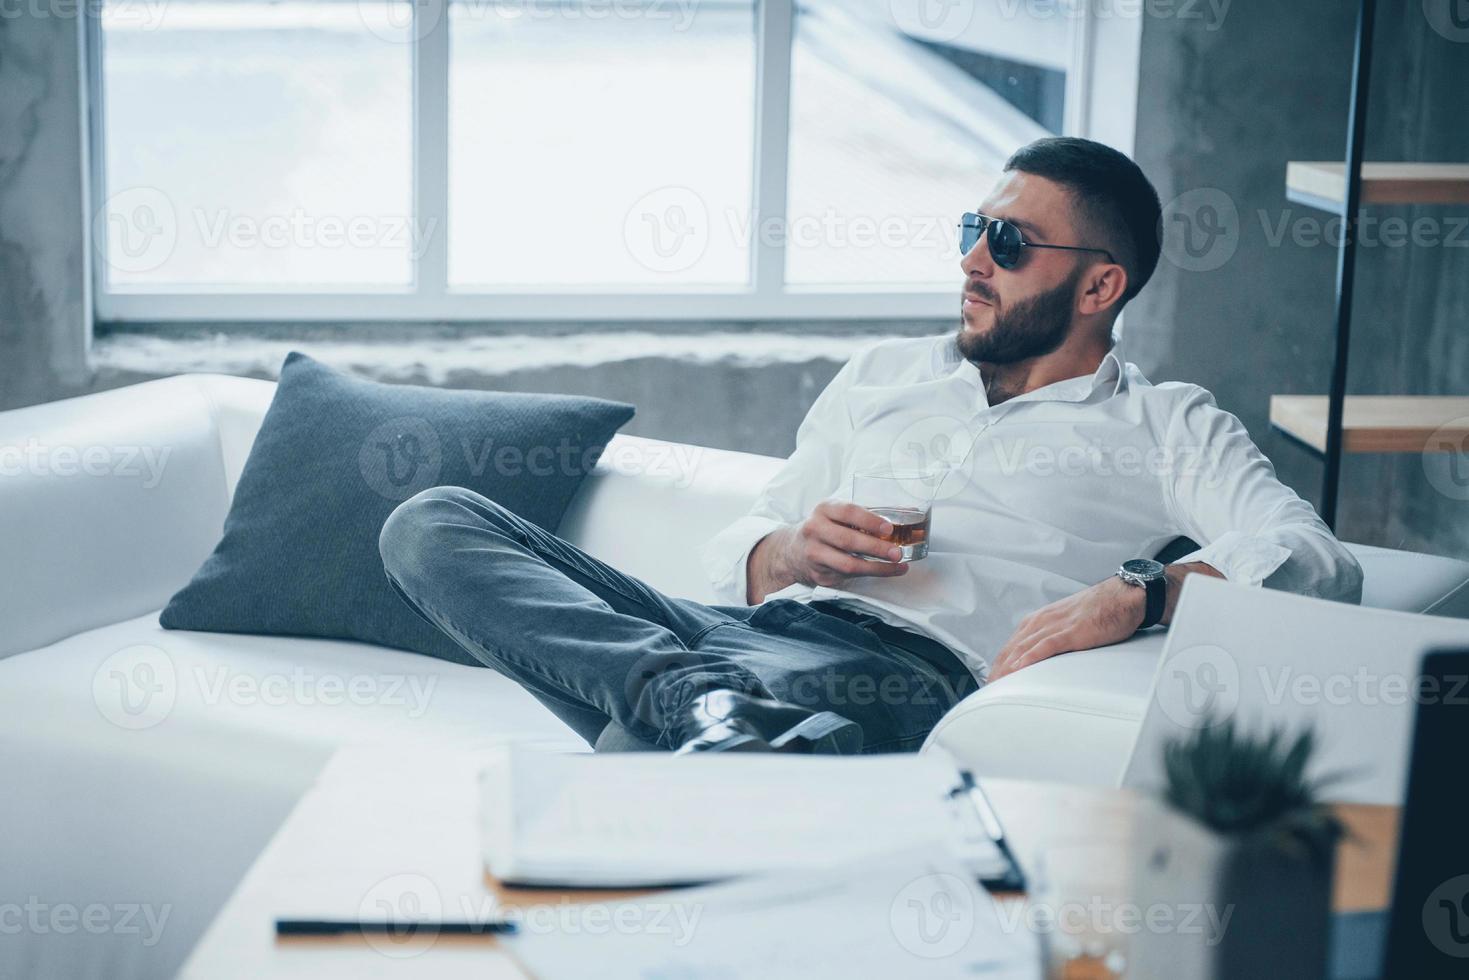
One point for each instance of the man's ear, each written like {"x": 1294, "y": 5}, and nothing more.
{"x": 1102, "y": 288}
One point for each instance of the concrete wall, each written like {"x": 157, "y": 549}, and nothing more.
{"x": 45, "y": 307}
{"x": 727, "y": 385}
{"x": 1221, "y": 108}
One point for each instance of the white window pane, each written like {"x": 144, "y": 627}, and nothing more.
{"x": 600, "y": 144}
{"x": 902, "y": 114}
{"x": 258, "y": 145}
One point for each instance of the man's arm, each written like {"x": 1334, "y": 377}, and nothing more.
{"x": 794, "y": 533}
{"x": 821, "y": 550}
{"x": 1254, "y": 529}
{"x": 1108, "y": 612}
{"x": 1223, "y": 491}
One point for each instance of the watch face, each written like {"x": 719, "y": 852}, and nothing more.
{"x": 1143, "y": 567}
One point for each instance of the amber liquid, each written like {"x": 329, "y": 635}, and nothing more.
{"x": 910, "y": 530}
{"x": 1084, "y": 967}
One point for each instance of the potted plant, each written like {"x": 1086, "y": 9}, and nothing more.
{"x": 1234, "y": 864}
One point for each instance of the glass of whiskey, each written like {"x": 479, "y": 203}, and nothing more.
{"x": 904, "y": 498}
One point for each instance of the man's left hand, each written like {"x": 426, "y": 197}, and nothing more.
{"x": 1108, "y": 612}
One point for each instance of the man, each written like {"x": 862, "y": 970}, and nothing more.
{"x": 1060, "y": 463}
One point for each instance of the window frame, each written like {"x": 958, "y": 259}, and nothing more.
{"x": 430, "y": 298}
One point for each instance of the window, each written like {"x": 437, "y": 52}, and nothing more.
{"x": 636, "y": 123}
{"x": 557, "y": 159}
{"x": 259, "y": 145}
{"x": 939, "y": 105}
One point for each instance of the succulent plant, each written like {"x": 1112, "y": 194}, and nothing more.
{"x": 1242, "y": 785}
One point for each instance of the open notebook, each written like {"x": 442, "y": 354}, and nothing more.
{"x": 649, "y": 819}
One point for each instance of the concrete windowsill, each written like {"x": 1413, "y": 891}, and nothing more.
{"x": 433, "y": 357}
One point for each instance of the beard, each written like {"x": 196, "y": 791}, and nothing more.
{"x": 1033, "y": 328}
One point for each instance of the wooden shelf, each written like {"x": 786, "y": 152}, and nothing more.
{"x": 1323, "y": 184}
{"x": 1376, "y": 423}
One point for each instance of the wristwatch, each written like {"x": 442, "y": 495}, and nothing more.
{"x": 1147, "y": 574}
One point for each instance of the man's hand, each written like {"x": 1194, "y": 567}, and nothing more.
{"x": 1108, "y": 612}
{"x": 822, "y": 550}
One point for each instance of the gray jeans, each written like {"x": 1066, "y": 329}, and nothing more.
{"x": 618, "y": 661}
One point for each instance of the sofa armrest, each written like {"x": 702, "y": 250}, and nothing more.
{"x": 238, "y": 406}
{"x": 1411, "y": 582}
{"x": 1071, "y": 719}
{"x": 108, "y": 503}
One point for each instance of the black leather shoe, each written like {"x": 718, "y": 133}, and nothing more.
{"x": 731, "y": 721}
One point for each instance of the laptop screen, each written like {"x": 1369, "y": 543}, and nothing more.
{"x": 1428, "y": 932}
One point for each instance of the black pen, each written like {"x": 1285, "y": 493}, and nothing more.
{"x": 1013, "y": 879}
{"x": 339, "y": 927}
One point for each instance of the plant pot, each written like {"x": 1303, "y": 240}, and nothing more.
{"x": 1221, "y": 908}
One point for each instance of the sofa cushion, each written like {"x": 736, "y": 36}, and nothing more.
{"x": 334, "y": 456}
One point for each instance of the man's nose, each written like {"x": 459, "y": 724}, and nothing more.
{"x": 977, "y": 261}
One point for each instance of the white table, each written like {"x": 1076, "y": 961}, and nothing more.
{"x": 404, "y": 827}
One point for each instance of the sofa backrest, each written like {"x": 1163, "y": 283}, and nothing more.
{"x": 650, "y": 505}
{"x": 110, "y": 502}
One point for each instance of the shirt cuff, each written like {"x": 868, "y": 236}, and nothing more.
{"x": 727, "y": 554}
{"x": 1240, "y": 557}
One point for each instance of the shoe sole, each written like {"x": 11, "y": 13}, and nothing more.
{"x": 826, "y": 733}
{"x": 735, "y": 743}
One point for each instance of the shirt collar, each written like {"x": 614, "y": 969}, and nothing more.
{"x": 1110, "y": 375}
{"x": 1112, "y": 372}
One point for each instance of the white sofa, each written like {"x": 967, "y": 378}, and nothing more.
{"x": 143, "y": 769}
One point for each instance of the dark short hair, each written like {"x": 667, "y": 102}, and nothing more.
{"x": 1115, "y": 199}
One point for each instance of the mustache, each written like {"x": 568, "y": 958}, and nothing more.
{"x": 980, "y": 291}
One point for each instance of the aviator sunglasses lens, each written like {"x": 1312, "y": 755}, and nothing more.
{"x": 1004, "y": 244}
{"x": 970, "y": 227}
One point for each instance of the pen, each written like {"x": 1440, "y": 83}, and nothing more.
{"x": 338, "y": 927}
{"x": 1013, "y": 880}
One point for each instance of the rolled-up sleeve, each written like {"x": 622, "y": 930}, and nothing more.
{"x": 811, "y": 474}
{"x": 1253, "y": 529}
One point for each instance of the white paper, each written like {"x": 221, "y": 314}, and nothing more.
{"x": 914, "y": 914}
{"x": 651, "y": 819}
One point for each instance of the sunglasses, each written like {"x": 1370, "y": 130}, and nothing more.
{"x": 1005, "y": 240}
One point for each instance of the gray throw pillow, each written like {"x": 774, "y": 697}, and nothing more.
{"x": 334, "y": 456}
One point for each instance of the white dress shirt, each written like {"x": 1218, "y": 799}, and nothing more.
{"x": 1046, "y": 493}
